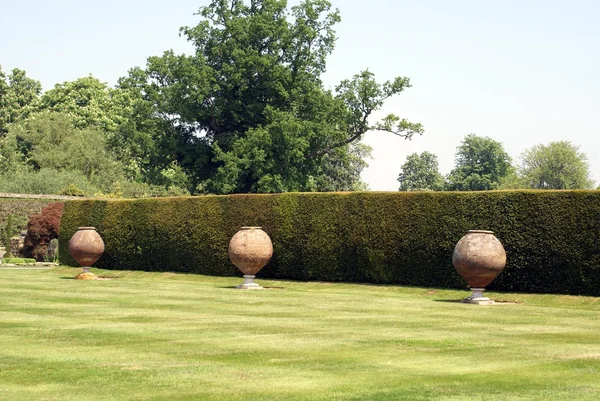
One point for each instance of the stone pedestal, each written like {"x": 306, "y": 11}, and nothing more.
{"x": 249, "y": 283}
{"x": 477, "y": 298}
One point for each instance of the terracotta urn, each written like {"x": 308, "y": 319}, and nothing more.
{"x": 250, "y": 249}
{"x": 86, "y": 247}
{"x": 479, "y": 258}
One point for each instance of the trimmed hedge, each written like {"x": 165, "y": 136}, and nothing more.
{"x": 552, "y": 238}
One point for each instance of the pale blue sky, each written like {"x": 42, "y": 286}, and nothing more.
{"x": 521, "y": 72}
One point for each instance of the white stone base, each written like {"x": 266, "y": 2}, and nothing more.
{"x": 249, "y": 283}
{"x": 477, "y": 298}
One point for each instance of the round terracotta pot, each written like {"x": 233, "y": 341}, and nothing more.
{"x": 250, "y": 249}
{"x": 479, "y": 258}
{"x": 86, "y": 246}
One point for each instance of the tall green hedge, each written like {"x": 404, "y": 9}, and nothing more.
{"x": 552, "y": 238}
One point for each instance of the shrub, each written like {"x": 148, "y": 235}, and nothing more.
{"x": 7, "y": 232}
{"x": 44, "y": 181}
{"x": 41, "y": 229}
{"x": 18, "y": 261}
{"x": 71, "y": 190}
{"x": 552, "y": 238}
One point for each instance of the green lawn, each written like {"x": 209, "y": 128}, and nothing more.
{"x": 161, "y": 336}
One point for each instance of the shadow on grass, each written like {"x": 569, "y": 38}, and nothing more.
{"x": 496, "y": 301}
{"x": 448, "y": 300}
{"x": 98, "y": 278}
{"x": 264, "y": 287}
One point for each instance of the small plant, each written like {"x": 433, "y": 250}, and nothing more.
{"x": 52, "y": 251}
{"x": 7, "y": 235}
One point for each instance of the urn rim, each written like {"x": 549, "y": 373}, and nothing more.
{"x": 86, "y": 228}
{"x": 480, "y": 231}
{"x": 251, "y": 228}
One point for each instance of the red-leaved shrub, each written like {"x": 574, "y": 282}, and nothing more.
{"x": 41, "y": 229}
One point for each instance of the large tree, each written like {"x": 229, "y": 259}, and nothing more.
{"x": 247, "y": 112}
{"x": 558, "y": 165}
{"x": 18, "y": 94}
{"x": 421, "y": 172}
{"x": 481, "y": 163}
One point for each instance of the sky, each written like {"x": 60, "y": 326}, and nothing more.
{"x": 522, "y": 72}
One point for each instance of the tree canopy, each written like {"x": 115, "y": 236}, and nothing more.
{"x": 247, "y": 112}
{"x": 481, "y": 163}
{"x": 18, "y": 94}
{"x": 558, "y": 165}
{"x": 421, "y": 172}
{"x": 90, "y": 102}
